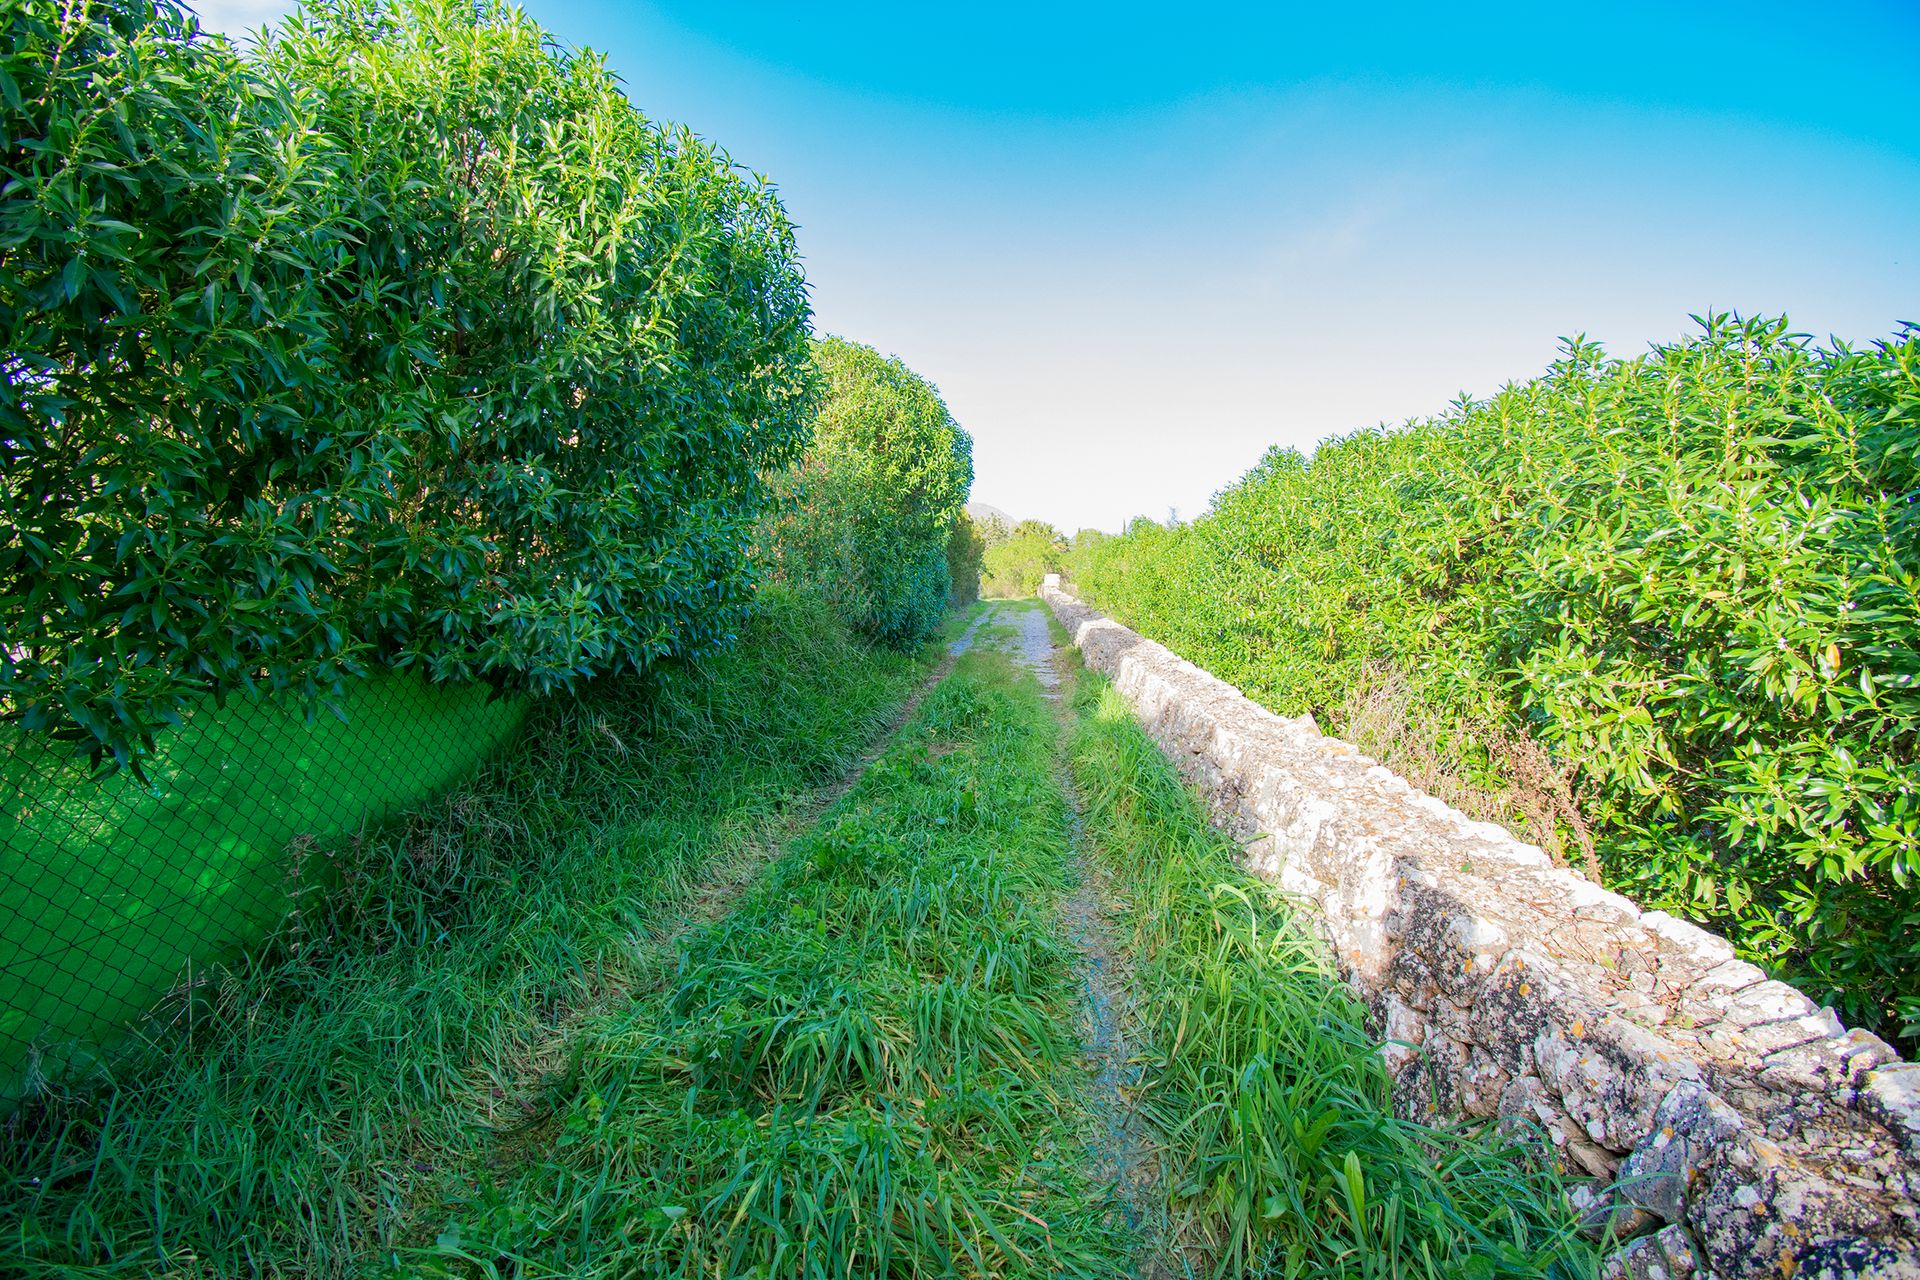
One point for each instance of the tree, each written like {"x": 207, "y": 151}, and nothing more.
{"x": 1015, "y": 566}
{"x": 966, "y": 550}
{"x": 870, "y": 511}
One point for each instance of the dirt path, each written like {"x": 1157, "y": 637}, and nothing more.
{"x": 527, "y": 1110}
{"x": 1119, "y": 1149}
{"x": 728, "y": 879}
{"x": 512, "y": 1108}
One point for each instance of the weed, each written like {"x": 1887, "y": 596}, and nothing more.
{"x": 1272, "y": 1101}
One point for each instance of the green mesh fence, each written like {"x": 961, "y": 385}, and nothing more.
{"x": 113, "y": 890}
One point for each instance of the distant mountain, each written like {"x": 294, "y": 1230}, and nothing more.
{"x": 981, "y": 511}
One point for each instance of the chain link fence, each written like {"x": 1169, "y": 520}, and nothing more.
{"x": 113, "y": 890}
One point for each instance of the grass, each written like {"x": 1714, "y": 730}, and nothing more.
{"x": 297, "y": 1114}
{"x": 527, "y": 1037}
{"x": 107, "y": 887}
{"x": 1271, "y": 1100}
{"x": 868, "y": 1069}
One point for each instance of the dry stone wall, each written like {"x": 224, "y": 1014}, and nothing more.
{"x": 1724, "y": 1125}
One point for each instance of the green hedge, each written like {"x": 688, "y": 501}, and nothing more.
{"x": 869, "y": 513}
{"x": 966, "y": 550}
{"x": 1691, "y": 576}
{"x": 407, "y": 343}
{"x": 1015, "y": 564}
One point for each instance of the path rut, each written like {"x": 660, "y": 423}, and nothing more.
{"x": 517, "y": 1105}
{"x": 728, "y": 882}
{"x": 1119, "y": 1145}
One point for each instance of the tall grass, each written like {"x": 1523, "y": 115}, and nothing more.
{"x": 1280, "y": 1147}
{"x": 868, "y": 1069}
{"x": 495, "y": 1053}
{"x": 298, "y": 1116}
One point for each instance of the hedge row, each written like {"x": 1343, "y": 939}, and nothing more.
{"x": 1018, "y": 558}
{"x": 872, "y": 513}
{"x": 406, "y": 342}
{"x": 1692, "y": 577}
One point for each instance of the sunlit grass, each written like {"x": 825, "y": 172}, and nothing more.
{"x": 497, "y": 1056}
{"x": 1281, "y": 1150}
{"x": 313, "y": 1108}
{"x": 868, "y": 1069}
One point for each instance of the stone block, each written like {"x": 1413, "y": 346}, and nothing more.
{"x": 1409, "y": 975}
{"x": 1482, "y": 1081}
{"x": 1667, "y": 1254}
{"x": 1603, "y": 1213}
{"x": 1402, "y": 1030}
{"x": 1682, "y": 942}
{"x": 1891, "y": 1095}
{"x": 1725, "y": 979}
{"x": 1512, "y": 1007}
{"x": 1688, "y": 1124}
{"x": 1765, "y": 1002}
{"x": 1611, "y": 1076}
{"x": 1758, "y": 1213}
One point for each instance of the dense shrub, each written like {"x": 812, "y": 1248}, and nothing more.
{"x": 408, "y": 343}
{"x": 965, "y": 549}
{"x": 1015, "y": 564}
{"x": 1691, "y": 577}
{"x": 869, "y": 512}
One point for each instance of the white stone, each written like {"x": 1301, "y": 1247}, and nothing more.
{"x": 1892, "y": 1095}
{"x": 1686, "y": 940}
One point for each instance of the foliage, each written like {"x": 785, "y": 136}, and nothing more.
{"x": 1015, "y": 565}
{"x": 297, "y": 1113}
{"x": 966, "y": 549}
{"x": 806, "y": 537}
{"x": 1691, "y": 576}
{"x": 868, "y": 515}
{"x": 407, "y": 343}
{"x": 1279, "y": 1142}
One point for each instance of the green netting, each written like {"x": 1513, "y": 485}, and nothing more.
{"x": 112, "y": 891}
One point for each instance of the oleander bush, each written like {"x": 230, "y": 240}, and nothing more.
{"x": 1688, "y": 578}
{"x": 965, "y": 550}
{"x": 867, "y": 516}
{"x": 407, "y": 342}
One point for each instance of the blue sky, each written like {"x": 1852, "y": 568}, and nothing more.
{"x": 1134, "y": 246}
